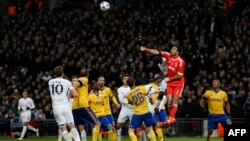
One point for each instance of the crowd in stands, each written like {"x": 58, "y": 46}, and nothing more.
{"x": 216, "y": 44}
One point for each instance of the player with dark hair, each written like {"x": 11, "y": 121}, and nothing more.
{"x": 174, "y": 77}
{"x": 216, "y": 99}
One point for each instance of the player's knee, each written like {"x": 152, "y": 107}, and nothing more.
{"x": 119, "y": 125}
{"x": 131, "y": 130}
{"x": 158, "y": 124}
{"x": 81, "y": 127}
{"x": 97, "y": 124}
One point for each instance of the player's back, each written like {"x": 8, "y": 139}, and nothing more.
{"x": 137, "y": 98}
{"x": 83, "y": 92}
{"x": 59, "y": 90}
{"x": 107, "y": 94}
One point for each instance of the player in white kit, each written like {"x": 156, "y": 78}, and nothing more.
{"x": 60, "y": 91}
{"x": 25, "y": 105}
{"x": 126, "y": 110}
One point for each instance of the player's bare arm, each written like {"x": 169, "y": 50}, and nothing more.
{"x": 73, "y": 92}
{"x": 228, "y": 108}
{"x": 149, "y": 50}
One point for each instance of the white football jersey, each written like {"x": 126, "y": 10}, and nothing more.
{"x": 59, "y": 90}
{"x": 121, "y": 96}
{"x": 24, "y": 103}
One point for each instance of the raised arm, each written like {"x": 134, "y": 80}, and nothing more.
{"x": 152, "y": 51}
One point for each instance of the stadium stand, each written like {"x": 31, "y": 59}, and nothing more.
{"x": 215, "y": 42}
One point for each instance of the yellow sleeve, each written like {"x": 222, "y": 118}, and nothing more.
{"x": 110, "y": 94}
{"x": 206, "y": 95}
{"x": 84, "y": 81}
{"x": 225, "y": 98}
{"x": 90, "y": 97}
{"x": 143, "y": 91}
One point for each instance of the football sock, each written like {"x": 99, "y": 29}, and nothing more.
{"x": 83, "y": 135}
{"x": 75, "y": 134}
{"x": 66, "y": 137}
{"x": 23, "y": 131}
{"x": 159, "y": 133}
{"x": 142, "y": 135}
{"x": 152, "y": 134}
{"x": 95, "y": 133}
{"x": 119, "y": 134}
{"x": 132, "y": 136}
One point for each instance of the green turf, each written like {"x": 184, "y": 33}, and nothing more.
{"x": 123, "y": 139}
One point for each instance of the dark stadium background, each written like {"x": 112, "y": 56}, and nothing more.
{"x": 38, "y": 35}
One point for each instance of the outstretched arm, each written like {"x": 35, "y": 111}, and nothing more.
{"x": 152, "y": 51}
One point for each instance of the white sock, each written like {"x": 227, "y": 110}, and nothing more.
{"x": 31, "y": 128}
{"x": 66, "y": 136}
{"x": 119, "y": 134}
{"x": 83, "y": 135}
{"x": 142, "y": 135}
{"x": 23, "y": 131}
{"x": 75, "y": 134}
{"x": 59, "y": 135}
{"x": 148, "y": 136}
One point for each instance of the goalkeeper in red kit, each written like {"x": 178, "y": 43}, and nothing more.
{"x": 174, "y": 77}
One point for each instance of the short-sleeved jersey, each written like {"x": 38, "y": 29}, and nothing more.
{"x": 59, "y": 89}
{"x": 216, "y": 101}
{"x": 25, "y": 103}
{"x": 81, "y": 100}
{"x": 137, "y": 98}
{"x": 122, "y": 91}
{"x": 176, "y": 65}
{"x": 107, "y": 95}
{"x": 155, "y": 94}
{"x": 96, "y": 103}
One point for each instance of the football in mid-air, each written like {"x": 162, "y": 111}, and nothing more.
{"x": 104, "y": 6}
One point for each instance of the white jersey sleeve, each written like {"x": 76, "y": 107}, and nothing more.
{"x": 59, "y": 90}
{"x": 31, "y": 103}
{"x": 25, "y": 103}
{"x": 150, "y": 90}
{"x": 121, "y": 96}
{"x": 163, "y": 86}
{"x": 19, "y": 104}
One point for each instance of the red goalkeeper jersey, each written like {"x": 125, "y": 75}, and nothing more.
{"x": 175, "y": 65}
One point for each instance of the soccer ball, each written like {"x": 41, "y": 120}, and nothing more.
{"x": 104, "y": 6}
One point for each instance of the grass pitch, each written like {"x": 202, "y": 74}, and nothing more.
{"x": 123, "y": 139}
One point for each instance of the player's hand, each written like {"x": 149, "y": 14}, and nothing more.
{"x": 118, "y": 106}
{"x": 142, "y": 48}
{"x": 157, "y": 110}
{"x": 28, "y": 108}
{"x": 167, "y": 79}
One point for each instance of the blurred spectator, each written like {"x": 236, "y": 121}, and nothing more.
{"x": 246, "y": 108}
{"x": 1, "y": 116}
{"x": 9, "y": 115}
